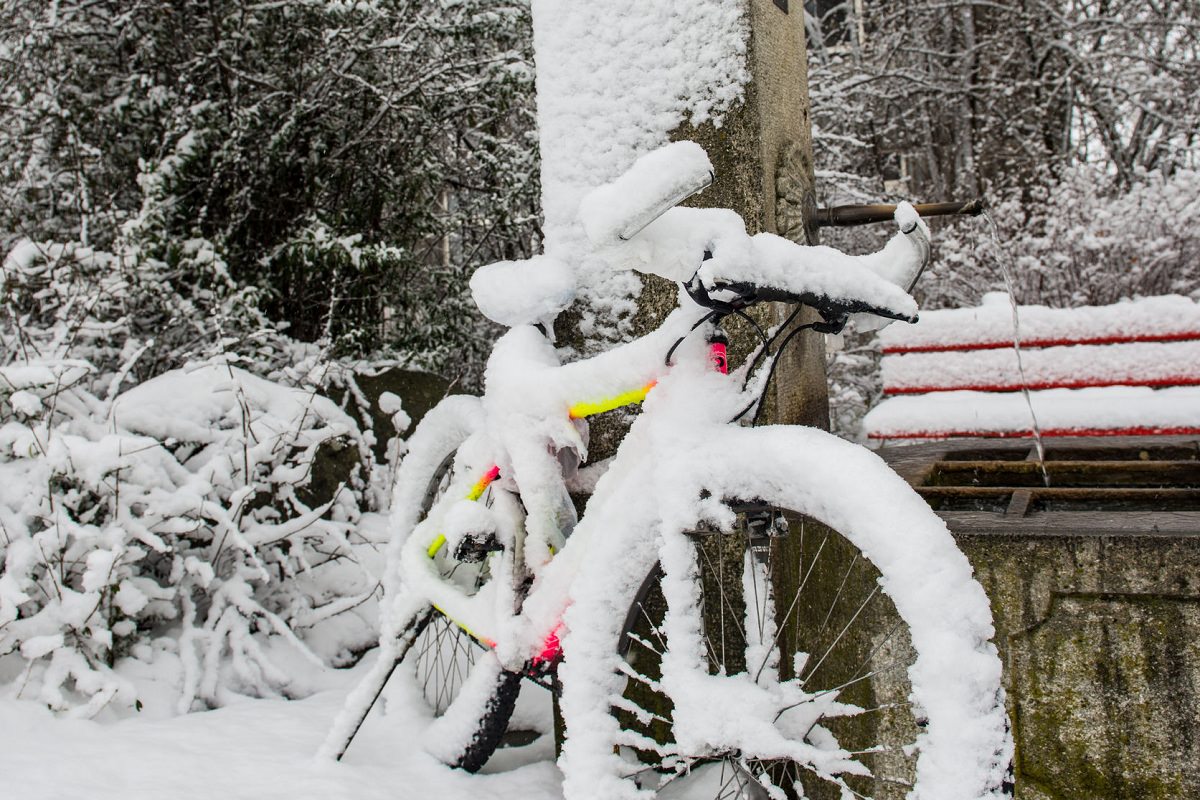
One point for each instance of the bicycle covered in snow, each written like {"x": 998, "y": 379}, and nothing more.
{"x": 710, "y": 634}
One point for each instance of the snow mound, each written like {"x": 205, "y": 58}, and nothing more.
{"x": 199, "y": 404}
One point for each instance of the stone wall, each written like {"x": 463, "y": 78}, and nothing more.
{"x": 1097, "y": 619}
{"x": 1100, "y": 637}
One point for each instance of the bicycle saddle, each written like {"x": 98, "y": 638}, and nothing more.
{"x": 525, "y": 292}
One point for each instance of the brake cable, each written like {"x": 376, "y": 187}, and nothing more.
{"x": 771, "y": 370}
{"x": 707, "y": 317}
{"x": 745, "y": 295}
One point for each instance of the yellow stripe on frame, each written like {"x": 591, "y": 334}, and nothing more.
{"x": 587, "y": 409}
{"x": 482, "y": 639}
{"x": 438, "y": 543}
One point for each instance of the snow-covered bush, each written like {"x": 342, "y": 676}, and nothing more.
{"x": 180, "y": 515}
{"x": 129, "y": 313}
{"x": 199, "y": 228}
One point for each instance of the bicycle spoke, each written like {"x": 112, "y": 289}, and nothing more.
{"x": 883, "y": 707}
{"x": 431, "y": 659}
{"x": 633, "y": 637}
{"x": 643, "y": 715}
{"x": 759, "y": 606}
{"x": 426, "y": 638}
{"x": 653, "y": 629}
{"x": 836, "y": 596}
{"x": 870, "y": 751}
{"x": 799, "y": 592}
{"x": 439, "y": 661}
{"x": 724, "y": 603}
{"x": 455, "y": 678}
{"x": 879, "y": 646}
{"x": 828, "y": 650}
{"x": 890, "y": 668}
{"x": 686, "y": 770}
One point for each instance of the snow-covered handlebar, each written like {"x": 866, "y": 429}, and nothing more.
{"x": 774, "y": 268}
{"x": 634, "y": 223}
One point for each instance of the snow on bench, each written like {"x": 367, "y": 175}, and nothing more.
{"x": 1127, "y": 369}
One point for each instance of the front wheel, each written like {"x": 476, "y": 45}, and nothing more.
{"x": 776, "y": 584}
{"x": 770, "y": 655}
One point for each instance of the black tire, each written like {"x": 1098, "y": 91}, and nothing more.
{"x": 443, "y": 655}
{"x": 493, "y": 723}
{"x": 834, "y": 611}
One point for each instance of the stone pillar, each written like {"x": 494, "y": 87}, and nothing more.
{"x": 760, "y": 147}
{"x": 762, "y": 154}
{"x": 764, "y": 171}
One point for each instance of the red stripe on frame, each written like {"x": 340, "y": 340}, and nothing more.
{"x": 1182, "y": 336}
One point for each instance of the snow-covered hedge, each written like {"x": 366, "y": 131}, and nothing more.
{"x": 179, "y": 515}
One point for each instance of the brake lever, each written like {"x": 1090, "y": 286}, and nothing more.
{"x": 916, "y": 233}
{"x": 745, "y": 294}
{"x": 832, "y": 323}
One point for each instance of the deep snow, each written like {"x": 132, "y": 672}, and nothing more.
{"x": 250, "y": 749}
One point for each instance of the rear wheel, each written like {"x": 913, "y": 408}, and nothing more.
{"x": 471, "y": 701}
{"x": 443, "y": 662}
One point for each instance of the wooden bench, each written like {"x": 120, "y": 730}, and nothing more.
{"x": 1131, "y": 368}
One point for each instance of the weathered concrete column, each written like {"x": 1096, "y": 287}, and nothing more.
{"x": 760, "y": 145}
{"x": 728, "y": 74}
{"x": 764, "y": 164}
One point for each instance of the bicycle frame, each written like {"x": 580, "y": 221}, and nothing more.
{"x": 476, "y": 614}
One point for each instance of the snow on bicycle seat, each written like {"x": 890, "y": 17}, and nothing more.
{"x": 523, "y": 292}
{"x": 659, "y": 180}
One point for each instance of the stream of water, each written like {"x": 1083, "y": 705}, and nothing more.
{"x": 1004, "y": 258}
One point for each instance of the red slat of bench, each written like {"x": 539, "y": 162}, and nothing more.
{"x": 1180, "y": 336}
{"x": 1064, "y": 367}
{"x": 1177, "y": 380}
{"x": 1169, "y": 318}
{"x": 1082, "y": 412}
{"x": 1049, "y": 432}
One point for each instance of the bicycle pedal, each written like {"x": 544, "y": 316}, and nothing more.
{"x": 704, "y": 528}
{"x": 475, "y": 547}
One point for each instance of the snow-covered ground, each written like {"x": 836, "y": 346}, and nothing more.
{"x": 250, "y": 749}
{"x": 254, "y": 748}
